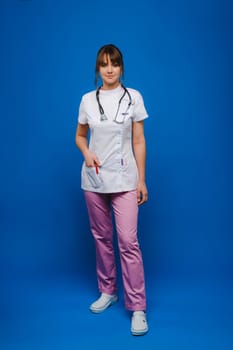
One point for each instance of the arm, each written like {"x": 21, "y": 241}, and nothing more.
{"x": 82, "y": 143}
{"x": 139, "y": 148}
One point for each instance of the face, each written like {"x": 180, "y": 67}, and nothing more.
{"x": 109, "y": 73}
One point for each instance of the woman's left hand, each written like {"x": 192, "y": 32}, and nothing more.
{"x": 142, "y": 193}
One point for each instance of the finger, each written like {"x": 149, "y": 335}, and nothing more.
{"x": 97, "y": 162}
{"x": 139, "y": 196}
{"x": 144, "y": 198}
{"x": 89, "y": 164}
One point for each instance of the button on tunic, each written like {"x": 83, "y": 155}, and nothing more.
{"x": 111, "y": 142}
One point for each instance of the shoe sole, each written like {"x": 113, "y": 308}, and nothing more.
{"x": 139, "y": 332}
{"x": 98, "y": 311}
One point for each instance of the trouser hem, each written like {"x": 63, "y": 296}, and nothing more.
{"x": 108, "y": 291}
{"x": 136, "y": 308}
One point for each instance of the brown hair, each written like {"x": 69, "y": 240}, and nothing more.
{"x": 115, "y": 56}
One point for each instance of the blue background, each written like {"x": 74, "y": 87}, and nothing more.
{"x": 178, "y": 54}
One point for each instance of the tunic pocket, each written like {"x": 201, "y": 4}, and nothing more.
{"x": 94, "y": 179}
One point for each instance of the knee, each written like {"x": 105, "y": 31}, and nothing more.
{"x": 129, "y": 246}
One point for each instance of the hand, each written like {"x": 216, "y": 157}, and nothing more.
{"x": 91, "y": 160}
{"x": 142, "y": 193}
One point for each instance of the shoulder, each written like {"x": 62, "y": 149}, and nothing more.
{"x": 136, "y": 96}
{"x": 89, "y": 96}
{"x": 134, "y": 93}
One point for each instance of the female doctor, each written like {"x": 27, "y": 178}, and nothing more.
{"x": 113, "y": 180}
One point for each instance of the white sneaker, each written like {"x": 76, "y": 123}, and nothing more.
{"x": 139, "y": 324}
{"x": 104, "y": 301}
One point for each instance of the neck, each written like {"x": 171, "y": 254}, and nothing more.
{"x": 110, "y": 86}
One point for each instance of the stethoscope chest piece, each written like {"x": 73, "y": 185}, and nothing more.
{"x": 103, "y": 117}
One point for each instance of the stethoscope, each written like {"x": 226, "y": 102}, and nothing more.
{"x": 116, "y": 118}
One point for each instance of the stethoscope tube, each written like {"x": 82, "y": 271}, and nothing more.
{"x": 101, "y": 110}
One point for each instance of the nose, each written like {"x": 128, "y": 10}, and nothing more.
{"x": 109, "y": 68}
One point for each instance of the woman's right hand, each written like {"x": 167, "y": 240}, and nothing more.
{"x": 90, "y": 159}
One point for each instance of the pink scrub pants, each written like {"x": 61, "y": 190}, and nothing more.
{"x": 125, "y": 209}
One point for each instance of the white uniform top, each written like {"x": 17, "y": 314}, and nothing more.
{"x": 111, "y": 142}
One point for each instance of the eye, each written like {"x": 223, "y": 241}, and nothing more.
{"x": 103, "y": 64}
{"x": 115, "y": 64}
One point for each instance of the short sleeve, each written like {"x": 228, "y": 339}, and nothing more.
{"x": 139, "y": 112}
{"x": 82, "y": 115}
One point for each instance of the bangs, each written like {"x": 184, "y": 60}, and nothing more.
{"x": 113, "y": 53}
{"x": 114, "y": 57}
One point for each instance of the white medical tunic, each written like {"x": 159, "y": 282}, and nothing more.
{"x": 111, "y": 142}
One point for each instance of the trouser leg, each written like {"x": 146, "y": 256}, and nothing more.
{"x": 100, "y": 218}
{"x": 126, "y": 217}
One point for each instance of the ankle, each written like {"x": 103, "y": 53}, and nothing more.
{"x": 139, "y": 312}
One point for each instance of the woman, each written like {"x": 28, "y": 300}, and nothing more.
{"x": 113, "y": 180}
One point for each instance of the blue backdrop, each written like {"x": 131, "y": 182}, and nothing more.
{"x": 178, "y": 54}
